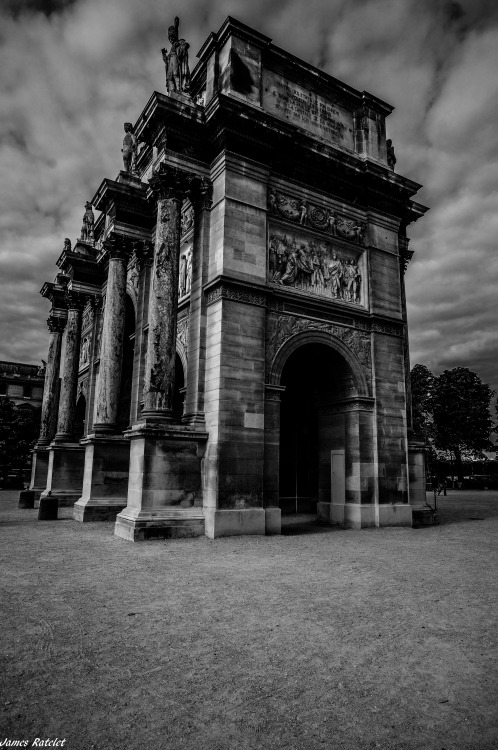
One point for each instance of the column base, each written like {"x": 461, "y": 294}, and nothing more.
{"x": 399, "y": 514}
{"x": 105, "y": 481}
{"x": 234, "y": 522}
{"x": 65, "y": 473}
{"x": 140, "y": 525}
{"x": 98, "y": 509}
{"x": 39, "y": 471}
{"x": 273, "y": 521}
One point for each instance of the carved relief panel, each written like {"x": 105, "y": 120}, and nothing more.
{"x": 316, "y": 266}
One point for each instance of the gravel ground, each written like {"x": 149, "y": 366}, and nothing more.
{"x": 320, "y": 638}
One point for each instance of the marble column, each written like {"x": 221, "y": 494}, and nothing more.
{"x": 67, "y": 401}
{"x": 111, "y": 348}
{"x": 170, "y": 186}
{"x": 66, "y": 459}
{"x": 51, "y": 387}
{"x": 107, "y": 451}
{"x": 165, "y": 486}
{"x": 39, "y": 463}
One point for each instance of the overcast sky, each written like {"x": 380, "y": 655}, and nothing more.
{"x": 72, "y": 72}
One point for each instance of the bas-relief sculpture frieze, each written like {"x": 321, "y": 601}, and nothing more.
{"x": 182, "y": 335}
{"x": 84, "y": 351}
{"x": 187, "y": 220}
{"x": 316, "y": 217}
{"x": 87, "y": 318}
{"x": 308, "y": 110}
{"x": 280, "y": 328}
{"x": 301, "y": 262}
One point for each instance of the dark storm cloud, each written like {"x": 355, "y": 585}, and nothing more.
{"x": 72, "y": 73}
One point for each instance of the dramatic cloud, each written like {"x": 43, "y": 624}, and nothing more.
{"x": 72, "y": 72}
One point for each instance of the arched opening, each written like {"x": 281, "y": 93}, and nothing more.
{"x": 124, "y": 408}
{"x": 79, "y": 417}
{"x": 179, "y": 391}
{"x": 316, "y": 425}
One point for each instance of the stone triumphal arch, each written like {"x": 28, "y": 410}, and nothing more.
{"x": 234, "y": 317}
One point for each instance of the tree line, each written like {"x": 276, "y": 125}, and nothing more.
{"x": 452, "y": 414}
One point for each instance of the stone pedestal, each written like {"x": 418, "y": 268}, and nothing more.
{"x": 105, "y": 479}
{"x": 39, "y": 471}
{"x": 165, "y": 487}
{"x": 416, "y": 473}
{"x": 236, "y": 522}
{"x": 65, "y": 473}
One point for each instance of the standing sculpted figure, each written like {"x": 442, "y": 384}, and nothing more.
{"x": 335, "y": 275}
{"x": 87, "y": 234}
{"x": 391, "y": 158}
{"x": 176, "y": 62}
{"x": 182, "y": 276}
{"x": 129, "y": 149}
{"x": 188, "y": 278}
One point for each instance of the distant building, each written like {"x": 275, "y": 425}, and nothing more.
{"x": 23, "y": 384}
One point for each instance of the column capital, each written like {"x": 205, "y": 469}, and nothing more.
{"x": 201, "y": 194}
{"x": 55, "y": 324}
{"x": 171, "y": 183}
{"x": 143, "y": 250}
{"x": 75, "y": 300}
{"x": 117, "y": 247}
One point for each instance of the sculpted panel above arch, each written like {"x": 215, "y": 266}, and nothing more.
{"x": 354, "y": 345}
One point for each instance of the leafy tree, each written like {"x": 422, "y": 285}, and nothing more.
{"x": 422, "y": 382}
{"x": 461, "y": 411}
{"x": 19, "y": 429}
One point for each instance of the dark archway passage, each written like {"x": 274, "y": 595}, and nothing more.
{"x": 79, "y": 417}
{"x": 179, "y": 390}
{"x": 316, "y": 378}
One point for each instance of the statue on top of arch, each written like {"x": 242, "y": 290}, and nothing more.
{"x": 176, "y": 62}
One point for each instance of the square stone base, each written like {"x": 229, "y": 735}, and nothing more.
{"x": 39, "y": 472}
{"x": 395, "y": 515}
{"x": 139, "y": 526}
{"x": 105, "y": 480}
{"x": 99, "y": 509}
{"x": 352, "y": 516}
{"x": 273, "y": 521}
{"x": 235, "y": 522}
{"x": 65, "y": 473}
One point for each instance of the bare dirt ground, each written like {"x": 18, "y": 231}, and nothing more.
{"x": 315, "y": 639}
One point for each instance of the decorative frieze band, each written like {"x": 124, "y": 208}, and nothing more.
{"x": 225, "y": 291}
{"x": 307, "y": 214}
{"x": 357, "y": 404}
